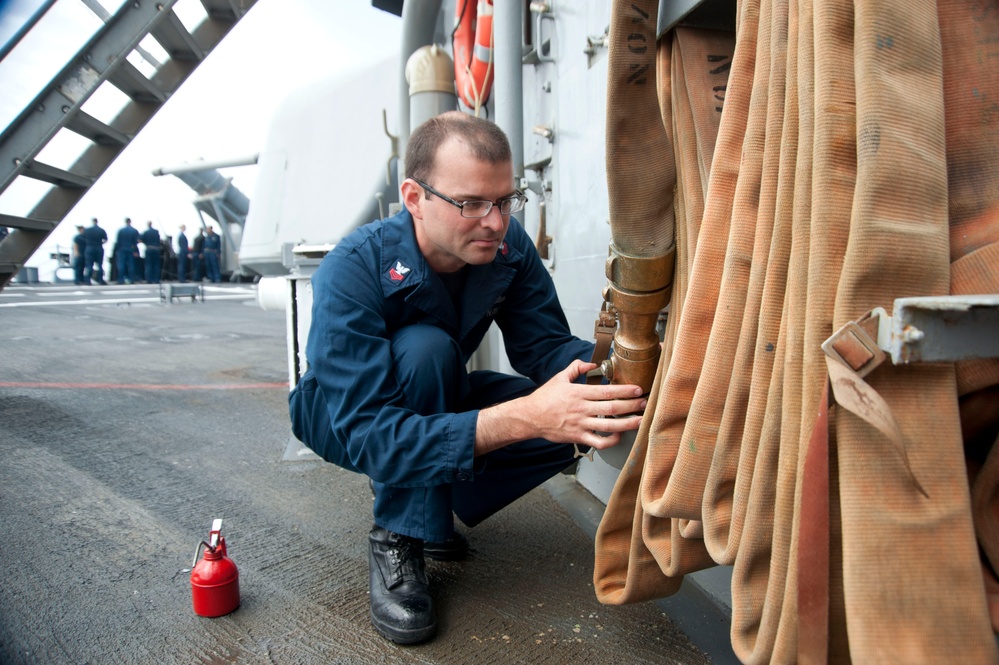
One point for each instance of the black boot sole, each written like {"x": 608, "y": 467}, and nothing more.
{"x": 403, "y": 636}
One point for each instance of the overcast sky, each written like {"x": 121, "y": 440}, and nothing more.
{"x": 221, "y": 112}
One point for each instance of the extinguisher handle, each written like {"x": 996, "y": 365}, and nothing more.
{"x": 197, "y": 552}
{"x": 215, "y": 540}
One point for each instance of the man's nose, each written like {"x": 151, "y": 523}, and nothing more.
{"x": 493, "y": 219}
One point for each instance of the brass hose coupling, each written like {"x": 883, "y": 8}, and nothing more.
{"x": 640, "y": 287}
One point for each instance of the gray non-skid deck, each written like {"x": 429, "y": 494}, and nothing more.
{"x": 127, "y": 425}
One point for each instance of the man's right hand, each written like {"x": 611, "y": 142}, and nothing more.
{"x": 563, "y": 411}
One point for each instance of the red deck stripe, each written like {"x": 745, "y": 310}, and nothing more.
{"x": 142, "y": 386}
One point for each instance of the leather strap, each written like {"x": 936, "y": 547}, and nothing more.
{"x": 813, "y": 544}
{"x": 851, "y": 354}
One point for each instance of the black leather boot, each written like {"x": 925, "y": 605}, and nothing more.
{"x": 401, "y": 607}
{"x": 454, "y": 548}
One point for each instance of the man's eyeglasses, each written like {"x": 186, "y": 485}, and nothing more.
{"x": 474, "y": 209}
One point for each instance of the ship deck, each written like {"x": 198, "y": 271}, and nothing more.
{"x": 130, "y": 423}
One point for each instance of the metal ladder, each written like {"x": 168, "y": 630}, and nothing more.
{"x": 60, "y": 106}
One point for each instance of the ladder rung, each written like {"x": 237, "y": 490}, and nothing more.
{"x": 130, "y": 81}
{"x": 28, "y": 223}
{"x": 223, "y": 9}
{"x": 95, "y": 130}
{"x": 176, "y": 40}
{"x": 56, "y": 176}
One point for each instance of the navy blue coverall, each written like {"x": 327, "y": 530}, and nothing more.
{"x": 127, "y": 247}
{"x": 79, "y": 246}
{"x": 93, "y": 254}
{"x": 212, "y": 250}
{"x": 151, "y": 239}
{"x": 387, "y": 393}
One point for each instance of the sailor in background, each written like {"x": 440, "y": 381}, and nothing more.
{"x": 93, "y": 253}
{"x": 126, "y": 250}
{"x": 151, "y": 239}
{"x": 399, "y": 307}
{"x": 212, "y": 250}
{"x": 79, "y": 245}
{"x": 198, "y": 256}
{"x": 182, "y": 249}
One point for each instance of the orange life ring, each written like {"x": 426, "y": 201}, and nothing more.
{"x": 473, "y": 66}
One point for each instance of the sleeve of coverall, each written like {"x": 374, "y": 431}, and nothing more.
{"x": 535, "y": 331}
{"x": 350, "y": 354}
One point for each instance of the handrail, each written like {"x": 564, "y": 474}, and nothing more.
{"x": 26, "y": 28}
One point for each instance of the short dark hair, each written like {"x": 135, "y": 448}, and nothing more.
{"x": 485, "y": 139}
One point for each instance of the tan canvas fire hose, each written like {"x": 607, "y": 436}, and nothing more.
{"x": 968, "y": 34}
{"x": 854, "y": 163}
{"x": 641, "y": 177}
{"x": 630, "y": 564}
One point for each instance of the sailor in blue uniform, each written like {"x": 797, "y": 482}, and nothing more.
{"x": 182, "y": 250}
{"x": 79, "y": 246}
{"x": 151, "y": 239}
{"x": 400, "y": 305}
{"x": 93, "y": 253}
{"x": 212, "y": 251}
{"x": 126, "y": 249}
{"x": 198, "y": 256}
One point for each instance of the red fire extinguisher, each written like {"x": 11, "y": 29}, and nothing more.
{"x": 214, "y": 579}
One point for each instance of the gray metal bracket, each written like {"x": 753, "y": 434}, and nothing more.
{"x": 710, "y": 14}
{"x": 940, "y": 329}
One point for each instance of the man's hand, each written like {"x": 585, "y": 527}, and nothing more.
{"x": 564, "y": 412}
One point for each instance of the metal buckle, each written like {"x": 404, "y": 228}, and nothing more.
{"x": 854, "y": 347}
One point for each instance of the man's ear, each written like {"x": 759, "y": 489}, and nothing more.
{"x": 412, "y": 198}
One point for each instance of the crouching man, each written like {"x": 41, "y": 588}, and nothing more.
{"x": 399, "y": 307}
